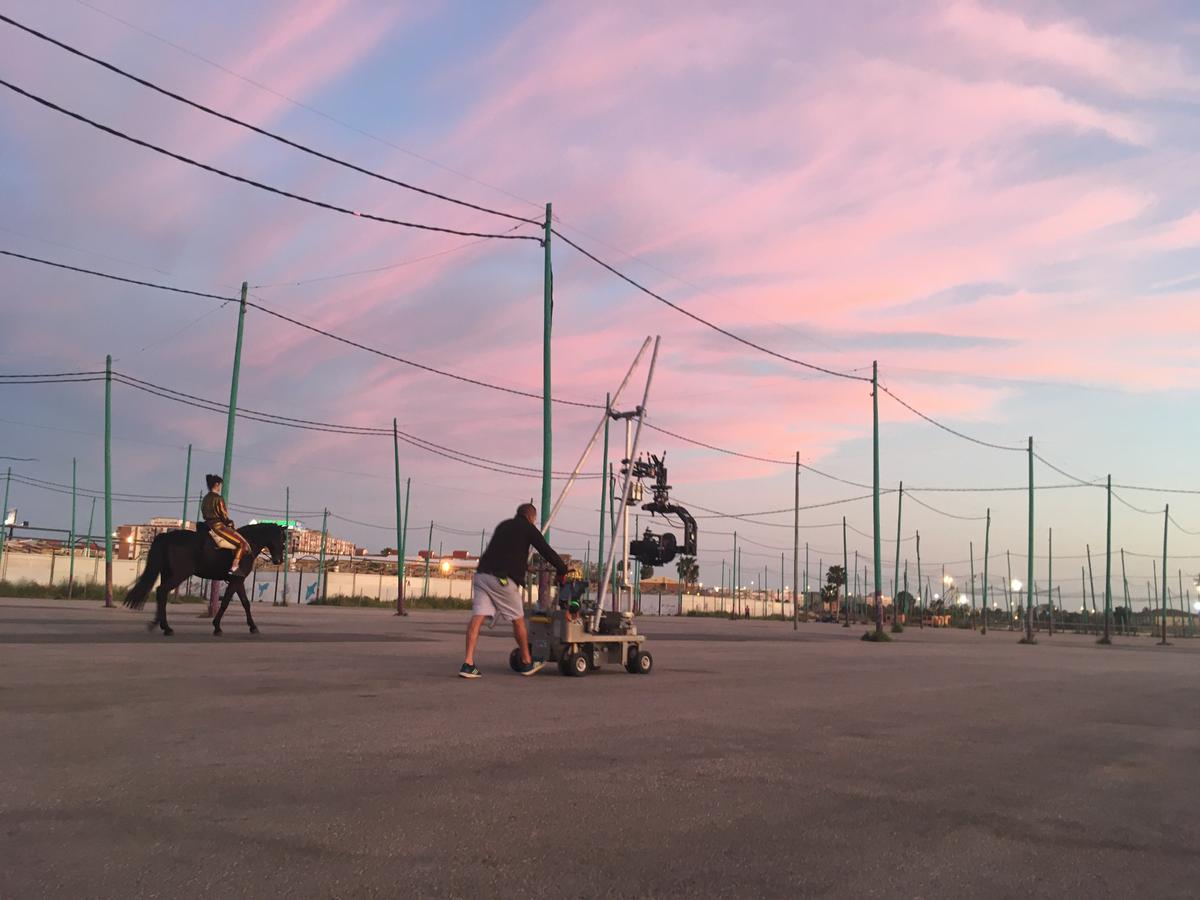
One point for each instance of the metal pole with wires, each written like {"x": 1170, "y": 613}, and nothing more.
{"x": 1166, "y": 525}
{"x": 287, "y": 539}
{"x": 4, "y": 517}
{"x": 796, "y": 551}
{"x": 1107, "y": 637}
{"x": 547, "y": 403}
{"x": 845, "y": 573}
{"x": 1050, "y": 582}
{"x": 108, "y": 533}
{"x": 896, "y": 626}
{"x": 925, "y": 597}
{"x": 230, "y": 423}
{"x": 71, "y": 542}
{"x": 1029, "y": 638}
{"x": 987, "y": 537}
{"x": 879, "y": 634}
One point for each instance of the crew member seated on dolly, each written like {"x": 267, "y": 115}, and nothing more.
{"x": 220, "y": 526}
{"x": 496, "y": 587}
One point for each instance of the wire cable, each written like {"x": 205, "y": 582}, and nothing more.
{"x": 275, "y": 137}
{"x": 700, "y": 319}
{"x": 947, "y": 428}
{"x": 942, "y": 512}
{"x": 300, "y": 324}
{"x": 257, "y": 184}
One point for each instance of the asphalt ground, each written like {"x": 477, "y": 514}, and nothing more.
{"x": 335, "y": 754}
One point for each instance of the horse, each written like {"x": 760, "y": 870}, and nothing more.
{"x": 177, "y": 555}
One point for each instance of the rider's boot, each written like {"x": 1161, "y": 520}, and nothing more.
{"x": 237, "y": 561}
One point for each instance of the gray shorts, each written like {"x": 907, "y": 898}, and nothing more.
{"x": 500, "y": 599}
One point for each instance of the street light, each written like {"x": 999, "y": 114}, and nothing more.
{"x": 1016, "y": 584}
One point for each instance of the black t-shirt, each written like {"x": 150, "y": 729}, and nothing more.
{"x": 507, "y": 553}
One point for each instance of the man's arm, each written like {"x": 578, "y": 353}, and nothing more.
{"x": 545, "y": 550}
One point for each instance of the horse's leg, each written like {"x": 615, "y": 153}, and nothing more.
{"x": 225, "y": 598}
{"x": 241, "y": 589}
{"x": 161, "y": 615}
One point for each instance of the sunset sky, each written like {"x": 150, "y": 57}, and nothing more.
{"x": 999, "y": 202}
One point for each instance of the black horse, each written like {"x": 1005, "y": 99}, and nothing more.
{"x": 177, "y": 555}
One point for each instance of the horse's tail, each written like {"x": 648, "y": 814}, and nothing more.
{"x": 136, "y": 598}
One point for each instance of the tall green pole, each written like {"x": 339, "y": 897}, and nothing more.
{"x": 845, "y": 570}
{"x": 987, "y": 539}
{"x": 806, "y": 572}
{"x": 1029, "y": 638}
{"x": 734, "y": 577}
{"x": 796, "y": 553}
{"x": 108, "y": 548}
{"x": 4, "y": 516}
{"x": 187, "y": 477}
{"x": 399, "y": 522}
{"x": 875, "y": 499}
{"x": 547, "y": 323}
{"x": 925, "y": 597}
{"x": 71, "y": 568}
{"x": 1166, "y": 523}
{"x": 322, "y": 590}
{"x": 896, "y": 626}
{"x": 1107, "y": 638}
{"x": 91, "y": 522}
{"x": 287, "y": 538}
{"x": 971, "y": 544}
{"x": 226, "y": 471}
{"x": 428, "y": 554}
{"x": 403, "y": 550}
{"x": 600, "y": 558}
{"x": 1125, "y": 586}
{"x": 1050, "y": 580}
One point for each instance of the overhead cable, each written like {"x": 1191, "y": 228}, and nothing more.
{"x": 275, "y": 137}
{"x": 253, "y": 183}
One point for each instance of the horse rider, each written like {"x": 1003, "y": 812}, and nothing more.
{"x": 220, "y": 526}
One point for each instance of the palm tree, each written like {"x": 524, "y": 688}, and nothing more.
{"x": 688, "y": 569}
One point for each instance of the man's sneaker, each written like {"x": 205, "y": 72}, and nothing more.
{"x": 469, "y": 671}
{"x": 531, "y": 668}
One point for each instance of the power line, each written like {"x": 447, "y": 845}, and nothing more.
{"x": 299, "y": 104}
{"x": 947, "y": 428}
{"x": 942, "y": 512}
{"x": 257, "y": 184}
{"x": 701, "y": 320}
{"x": 298, "y": 323}
{"x": 262, "y": 131}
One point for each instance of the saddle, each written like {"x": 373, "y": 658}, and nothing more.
{"x": 212, "y": 552}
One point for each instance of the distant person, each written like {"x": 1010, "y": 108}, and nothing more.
{"x": 496, "y": 587}
{"x": 220, "y": 526}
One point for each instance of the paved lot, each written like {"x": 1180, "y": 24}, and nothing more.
{"x": 335, "y": 755}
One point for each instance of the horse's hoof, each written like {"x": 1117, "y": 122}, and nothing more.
{"x": 254, "y": 629}
{"x": 217, "y": 632}
{"x": 168, "y": 631}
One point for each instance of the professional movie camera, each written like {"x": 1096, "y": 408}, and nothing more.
{"x": 659, "y": 549}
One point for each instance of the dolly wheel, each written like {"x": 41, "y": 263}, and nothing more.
{"x": 640, "y": 662}
{"x": 514, "y": 659}
{"x": 577, "y": 665}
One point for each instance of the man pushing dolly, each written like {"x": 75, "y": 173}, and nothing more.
{"x": 496, "y": 587}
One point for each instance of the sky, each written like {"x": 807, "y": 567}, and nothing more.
{"x": 997, "y": 202}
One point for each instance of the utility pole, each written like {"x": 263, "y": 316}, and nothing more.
{"x": 845, "y": 572}
{"x": 734, "y": 576}
{"x": 187, "y": 477}
{"x": 287, "y": 538}
{"x": 4, "y": 517}
{"x": 230, "y": 422}
{"x": 600, "y": 557}
{"x": 399, "y": 519}
{"x": 987, "y": 536}
{"x": 1166, "y": 523}
{"x": 796, "y": 551}
{"x": 323, "y": 585}
{"x": 1107, "y": 638}
{"x": 925, "y": 598}
{"x": 879, "y": 635}
{"x": 896, "y": 626}
{"x": 428, "y": 554}
{"x": 1029, "y": 638}
{"x": 547, "y": 404}
{"x": 71, "y": 572}
{"x": 108, "y": 547}
{"x": 1050, "y": 580}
